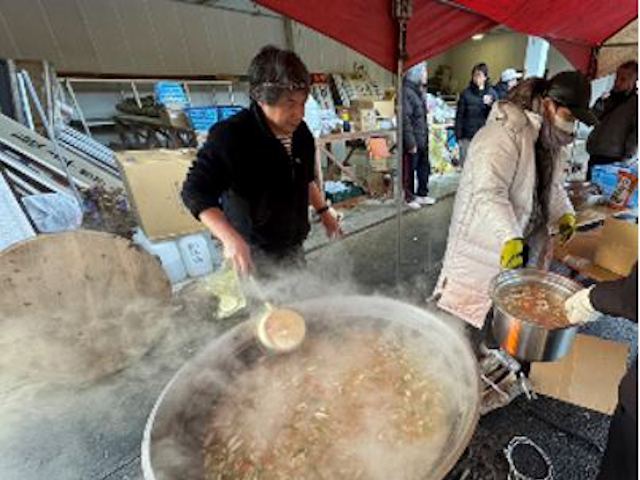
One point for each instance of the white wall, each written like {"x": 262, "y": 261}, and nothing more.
{"x": 499, "y": 50}
{"x": 556, "y": 62}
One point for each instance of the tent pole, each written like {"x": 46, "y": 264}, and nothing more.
{"x": 402, "y": 12}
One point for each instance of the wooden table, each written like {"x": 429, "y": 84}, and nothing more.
{"x": 578, "y": 254}
{"x": 323, "y": 147}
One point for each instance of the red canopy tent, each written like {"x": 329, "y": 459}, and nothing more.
{"x": 575, "y": 27}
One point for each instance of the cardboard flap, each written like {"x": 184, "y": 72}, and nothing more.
{"x": 154, "y": 181}
{"x": 588, "y": 376}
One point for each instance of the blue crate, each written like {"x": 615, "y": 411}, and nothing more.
{"x": 202, "y": 118}
{"x": 228, "y": 111}
{"x": 171, "y": 93}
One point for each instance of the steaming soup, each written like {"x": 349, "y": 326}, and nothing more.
{"x": 363, "y": 407}
{"x": 536, "y": 303}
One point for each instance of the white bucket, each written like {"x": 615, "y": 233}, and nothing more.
{"x": 168, "y": 253}
{"x": 196, "y": 255}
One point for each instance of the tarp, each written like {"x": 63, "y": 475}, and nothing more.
{"x": 620, "y": 48}
{"x": 575, "y": 27}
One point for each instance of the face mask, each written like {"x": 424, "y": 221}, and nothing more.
{"x": 566, "y": 126}
{"x": 553, "y": 137}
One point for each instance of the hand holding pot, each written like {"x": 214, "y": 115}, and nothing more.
{"x": 579, "y": 309}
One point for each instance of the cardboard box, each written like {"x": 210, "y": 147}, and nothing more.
{"x": 154, "y": 179}
{"x": 364, "y": 120}
{"x": 617, "y": 250}
{"x": 385, "y": 108}
{"x": 602, "y": 254}
{"x": 379, "y": 184}
{"x": 588, "y": 376}
{"x": 382, "y": 108}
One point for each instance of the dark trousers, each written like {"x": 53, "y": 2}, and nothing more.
{"x": 596, "y": 160}
{"x": 416, "y": 164}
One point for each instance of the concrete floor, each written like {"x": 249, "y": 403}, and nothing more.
{"x": 93, "y": 431}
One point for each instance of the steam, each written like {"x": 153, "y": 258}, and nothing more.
{"x": 236, "y": 396}
{"x": 78, "y": 346}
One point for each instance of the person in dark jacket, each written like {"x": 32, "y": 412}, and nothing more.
{"x": 416, "y": 138}
{"x": 616, "y": 137}
{"x": 253, "y": 180}
{"x": 473, "y": 108}
{"x": 619, "y": 299}
{"x": 508, "y": 80}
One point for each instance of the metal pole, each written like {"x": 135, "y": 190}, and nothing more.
{"x": 53, "y": 138}
{"x": 26, "y": 108}
{"x": 76, "y": 105}
{"x": 402, "y": 10}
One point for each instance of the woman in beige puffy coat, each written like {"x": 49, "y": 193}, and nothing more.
{"x": 511, "y": 196}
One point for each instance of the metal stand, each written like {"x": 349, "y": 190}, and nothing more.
{"x": 402, "y": 11}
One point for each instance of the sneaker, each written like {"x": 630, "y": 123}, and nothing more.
{"x": 413, "y": 205}
{"x": 425, "y": 200}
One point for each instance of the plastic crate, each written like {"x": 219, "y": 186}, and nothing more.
{"x": 228, "y": 111}
{"x": 202, "y": 118}
{"x": 171, "y": 93}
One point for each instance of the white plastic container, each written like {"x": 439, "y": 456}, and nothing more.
{"x": 215, "y": 249}
{"x": 195, "y": 255}
{"x": 168, "y": 253}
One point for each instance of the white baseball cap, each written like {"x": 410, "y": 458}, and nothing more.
{"x": 510, "y": 74}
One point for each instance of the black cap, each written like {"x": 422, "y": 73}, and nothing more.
{"x": 573, "y": 91}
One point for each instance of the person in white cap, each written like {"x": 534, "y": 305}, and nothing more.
{"x": 509, "y": 79}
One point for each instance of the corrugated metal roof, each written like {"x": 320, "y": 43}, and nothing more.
{"x": 158, "y": 37}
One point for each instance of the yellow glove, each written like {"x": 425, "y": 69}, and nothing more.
{"x": 567, "y": 227}
{"x": 513, "y": 254}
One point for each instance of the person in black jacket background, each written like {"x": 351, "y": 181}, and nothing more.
{"x": 474, "y": 106}
{"x": 254, "y": 178}
{"x": 619, "y": 299}
{"x": 416, "y": 138}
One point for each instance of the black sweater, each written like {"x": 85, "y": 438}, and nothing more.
{"x": 619, "y": 298}
{"x": 245, "y": 170}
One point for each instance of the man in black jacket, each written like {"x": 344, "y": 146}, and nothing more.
{"x": 473, "y": 108}
{"x": 615, "y": 138}
{"x": 254, "y": 178}
{"x": 416, "y": 138}
{"x": 619, "y": 299}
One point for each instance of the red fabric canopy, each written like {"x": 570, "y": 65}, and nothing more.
{"x": 368, "y": 26}
{"x": 573, "y": 26}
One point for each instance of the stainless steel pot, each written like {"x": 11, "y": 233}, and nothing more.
{"x": 172, "y": 446}
{"x": 523, "y": 339}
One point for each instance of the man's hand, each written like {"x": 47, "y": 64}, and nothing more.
{"x": 234, "y": 247}
{"x": 413, "y": 150}
{"x": 579, "y": 309}
{"x": 331, "y": 224}
{"x": 238, "y": 253}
